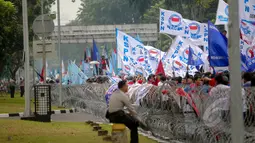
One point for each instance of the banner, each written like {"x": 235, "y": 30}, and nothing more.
{"x": 171, "y": 22}
{"x": 248, "y": 33}
{"x": 195, "y": 31}
{"x": 247, "y": 10}
{"x": 218, "y": 47}
{"x": 222, "y": 13}
{"x": 152, "y": 56}
{"x": 176, "y": 58}
{"x": 247, "y": 56}
{"x": 131, "y": 54}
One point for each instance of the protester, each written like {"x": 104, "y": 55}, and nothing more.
{"x": 162, "y": 80}
{"x": 103, "y": 63}
{"x": 253, "y": 81}
{"x": 130, "y": 80}
{"x": 212, "y": 82}
{"x": 224, "y": 32}
{"x": 223, "y": 92}
{"x": 151, "y": 79}
{"x": 246, "y": 79}
{"x": 206, "y": 87}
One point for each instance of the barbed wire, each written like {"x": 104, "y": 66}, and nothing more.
{"x": 193, "y": 117}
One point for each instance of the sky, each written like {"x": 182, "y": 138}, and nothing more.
{"x": 68, "y": 10}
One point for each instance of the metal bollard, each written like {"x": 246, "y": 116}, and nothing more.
{"x": 119, "y": 133}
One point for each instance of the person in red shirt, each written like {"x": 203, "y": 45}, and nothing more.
{"x": 131, "y": 80}
{"x": 151, "y": 79}
{"x": 103, "y": 63}
{"x": 212, "y": 82}
{"x": 157, "y": 79}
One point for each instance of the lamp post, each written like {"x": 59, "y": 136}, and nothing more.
{"x": 26, "y": 49}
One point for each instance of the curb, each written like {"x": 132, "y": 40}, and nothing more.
{"x": 65, "y": 111}
{"x": 148, "y": 135}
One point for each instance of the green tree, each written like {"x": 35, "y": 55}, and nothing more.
{"x": 8, "y": 25}
{"x": 12, "y": 37}
{"x": 99, "y": 12}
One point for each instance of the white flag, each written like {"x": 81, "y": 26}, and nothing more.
{"x": 171, "y": 23}
{"x": 248, "y": 32}
{"x": 222, "y": 13}
{"x": 176, "y": 58}
{"x": 131, "y": 53}
{"x": 195, "y": 31}
{"x": 247, "y": 10}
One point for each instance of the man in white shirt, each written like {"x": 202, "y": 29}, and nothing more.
{"x": 222, "y": 92}
{"x": 116, "y": 113}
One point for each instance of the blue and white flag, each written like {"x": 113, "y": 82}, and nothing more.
{"x": 130, "y": 53}
{"x": 171, "y": 22}
{"x": 218, "y": 47}
{"x": 193, "y": 59}
{"x": 247, "y": 32}
{"x": 195, "y": 31}
{"x": 247, "y": 10}
{"x": 152, "y": 57}
{"x": 222, "y": 13}
{"x": 77, "y": 76}
{"x": 247, "y": 56}
{"x": 86, "y": 69}
{"x": 176, "y": 59}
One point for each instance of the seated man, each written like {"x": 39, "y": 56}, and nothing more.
{"x": 116, "y": 112}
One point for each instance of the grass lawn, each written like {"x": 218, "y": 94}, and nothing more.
{"x": 16, "y": 104}
{"x": 17, "y": 131}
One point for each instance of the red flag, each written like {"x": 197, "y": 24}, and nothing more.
{"x": 42, "y": 75}
{"x": 160, "y": 69}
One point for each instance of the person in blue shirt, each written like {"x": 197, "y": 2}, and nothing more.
{"x": 206, "y": 87}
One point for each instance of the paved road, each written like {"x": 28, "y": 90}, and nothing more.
{"x": 74, "y": 117}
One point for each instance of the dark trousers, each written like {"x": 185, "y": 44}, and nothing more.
{"x": 123, "y": 118}
{"x": 12, "y": 89}
{"x": 22, "y": 91}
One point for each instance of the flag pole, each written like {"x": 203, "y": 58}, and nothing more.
{"x": 236, "y": 105}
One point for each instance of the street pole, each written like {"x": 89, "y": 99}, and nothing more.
{"x": 26, "y": 49}
{"x": 43, "y": 45}
{"x": 236, "y": 105}
{"x": 60, "y": 61}
{"x": 226, "y": 28}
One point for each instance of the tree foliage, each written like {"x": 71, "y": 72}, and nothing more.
{"x": 100, "y": 12}
{"x": 96, "y": 12}
{"x": 11, "y": 32}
